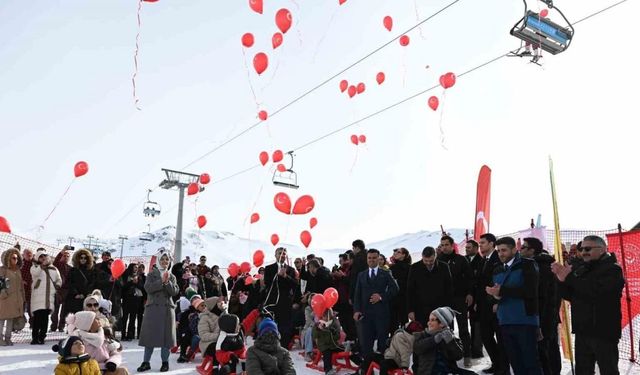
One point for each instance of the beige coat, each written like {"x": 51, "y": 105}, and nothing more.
{"x": 208, "y": 327}
{"x": 43, "y": 292}
{"x": 12, "y": 299}
{"x": 401, "y": 348}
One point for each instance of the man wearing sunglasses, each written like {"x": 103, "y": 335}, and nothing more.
{"x": 594, "y": 288}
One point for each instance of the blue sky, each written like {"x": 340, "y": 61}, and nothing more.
{"x": 65, "y": 74}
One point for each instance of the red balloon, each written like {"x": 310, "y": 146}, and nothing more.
{"x": 352, "y": 91}
{"x": 313, "y": 222}
{"x": 343, "y": 85}
{"x": 256, "y": 5}
{"x": 305, "y": 238}
{"x": 275, "y": 239}
{"x": 150, "y": 1}
{"x": 4, "y": 225}
{"x": 282, "y": 203}
{"x": 362, "y": 138}
{"x": 117, "y": 268}
{"x": 342, "y": 1}
{"x": 380, "y": 77}
{"x": 304, "y": 205}
{"x": 354, "y": 139}
{"x": 434, "y": 102}
{"x": 205, "y": 178}
{"x": 192, "y": 188}
{"x": 233, "y": 269}
{"x": 260, "y": 62}
{"x": 277, "y": 156}
{"x": 283, "y": 20}
{"x": 202, "y": 221}
{"x": 258, "y": 258}
{"x": 330, "y": 297}
{"x": 262, "y": 115}
{"x": 255, "y": 217}
{"x": 544, "y": 13}
{"x": 360, "y": 88}
{"x": 264, "y": 157}
{"x": 81, "y": 168}
{"x": 248, "y": 280}
{"x": 318, "y": 304}
{"x": 281, "y": 168}
{"x": 276, "y": 40}
{"x": 447, "y": 80}
{"x": 404, "y": 40}
{"x": 388, "y": 23}
{"x": 245, "y": 267}
{"x": 247, "y": 40}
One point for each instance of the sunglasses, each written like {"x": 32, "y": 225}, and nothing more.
{"x": 587, "y": 249}
{"x": 83, "y": 257}
{"x": 93, "y": 304}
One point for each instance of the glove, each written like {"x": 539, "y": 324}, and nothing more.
{"x": 447, "y": 335}
{"x": 111, "y": 367}
{"x": 437, "y": 337}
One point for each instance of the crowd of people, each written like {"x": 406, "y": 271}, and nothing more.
{"x": 433, "y": 316}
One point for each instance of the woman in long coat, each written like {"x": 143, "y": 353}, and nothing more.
{"x": 81, "y": 280}
{"x": 11, "y": 298}
{"x": 159, "y": 320}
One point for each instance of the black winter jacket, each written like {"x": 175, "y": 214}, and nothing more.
{"x": 428, "y": 290}
{"x": 461, "y": 273}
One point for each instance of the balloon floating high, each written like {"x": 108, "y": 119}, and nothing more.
{"x": 262, "y": 115}
{"x": 260, "y": 62}
{"x": 193, "y": 188}
{"x": 205, "y": 178}
{"x": 276, "y": 40}
{"x": 4, "y": 225}
{"x": 247, "y": 40}
{"x": 283, "y": 20}
{"x": 313, "y": 222}
{"x": 360, "y": 88}
{"x": 281, "y": 168}
{"x": 305, "y": 238}
{"x": 202, "y": 221}
{"x": 404, "y": 40}
{"x": 354, "y": 139}
{"x": 255, "y": 217}
{"x": 117, "y": 268}
{"x": 433, "y": 102}
{"x": 388, "y": 23}
{"x": 380, "y": 77}
{"x": 304, "y": 205}
{"x": 544, "y": 13}
{"x": 282, "y": 202}
{"x": 256, "y": 6}
{"x": 344, "y": 85}
{"x": 342, "y": 1}
{"x": 277, "y": 156}
{"x": 352, "y": 91}
{"x": 275, "y": 239}
{"x": 362, "y": 138}
{"x": 264, "y": 158}
{"x": 447, "y": 80}
{"x": 258, "y": 258}
{"x": 80, "y": 169}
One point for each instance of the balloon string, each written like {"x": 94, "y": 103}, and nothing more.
{"x": 246, "y": 67}
{"x": 324, "y": 35}
{"x": 415, "y": 6}
{"x": 135, "y": 60}
{"x": 355, "y": 160}
{"x": 442, "y": 136}
{"x": 58, "y": 203}
{"x": 404, "y": 67}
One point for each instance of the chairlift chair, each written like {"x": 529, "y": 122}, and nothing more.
{"x": 147, "y": 236}
{"x": 541, "y": 32}
{"x": 288, "y": 178}
{"x": 150, "y": 208}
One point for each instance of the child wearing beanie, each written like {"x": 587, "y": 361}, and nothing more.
{"x": 72, "y": 359}
{"x": 266, "y": 356}
{"x": 437, "y": 348}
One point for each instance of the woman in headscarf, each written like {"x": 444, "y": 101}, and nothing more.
{"x": 159, "y": 320}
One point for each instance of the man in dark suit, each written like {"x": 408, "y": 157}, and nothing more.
{"x": 375, "y": 289}
{"x": 476, "y": 261}
{"x": 358, "y": 264}
{"x": 280, "y": 285}
{"x": 485, "y": 307}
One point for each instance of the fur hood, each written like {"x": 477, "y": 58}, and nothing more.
{"x": 6, "y": 254}
{"x": 76, "y": 261}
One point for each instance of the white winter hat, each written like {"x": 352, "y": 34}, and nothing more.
{"x": 40, "y": 252}
{"x": 445, "y": 314}
{"x": 81, "y": 320}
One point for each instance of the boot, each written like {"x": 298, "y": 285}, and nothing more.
{"x": 7, "y": 340}
{"x": 144, "y": 367}
{"x": 164, "y": 367}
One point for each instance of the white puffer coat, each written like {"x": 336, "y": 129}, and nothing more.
{"x": 44, "y": 288}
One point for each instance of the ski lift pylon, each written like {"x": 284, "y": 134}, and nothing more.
{"x": 541, "y": 32}
{"x": 150, "y": 208}
{"x": 288, "y": 178}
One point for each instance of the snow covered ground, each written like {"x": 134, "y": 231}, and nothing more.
{"x": 25, "y": 359}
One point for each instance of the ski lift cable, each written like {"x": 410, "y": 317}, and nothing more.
{"x": 469, "y": 71}
{"x": 321, "y": 84}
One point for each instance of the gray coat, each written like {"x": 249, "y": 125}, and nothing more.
{"x": 159, "y": 320}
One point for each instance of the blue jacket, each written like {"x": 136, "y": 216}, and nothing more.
{"x": 518, "y": 304}
{"x": 383, "y": 283}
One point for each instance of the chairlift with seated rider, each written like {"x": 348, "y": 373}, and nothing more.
{"x": 150, "y": 208}
{"x": 287, "y": 178}
{"x": 539, "y": 32}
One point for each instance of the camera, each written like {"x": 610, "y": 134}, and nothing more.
{"x": 4, "y": 283}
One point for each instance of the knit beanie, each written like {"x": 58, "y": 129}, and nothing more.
{"x": 81, "y": 320}
{"x": 63, "y": 347}
{"x": 196, "y": 301}
{"x": 267, "y": 325}
{"x": 190, "y": 292}
{"x": 445, "y": 315}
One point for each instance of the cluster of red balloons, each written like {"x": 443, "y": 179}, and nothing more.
{"x": 358, "y": 139}
{"x": 283, "y": 20}
{"x": 321, "y": 302}
{"x": 303, "y": 205}
{"x": 276, "y": 157}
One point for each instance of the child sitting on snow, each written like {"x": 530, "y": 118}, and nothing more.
{"x": 230, "y": 348}
{"x": 326, "y": 334}
{"x": 72, "y": 358}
